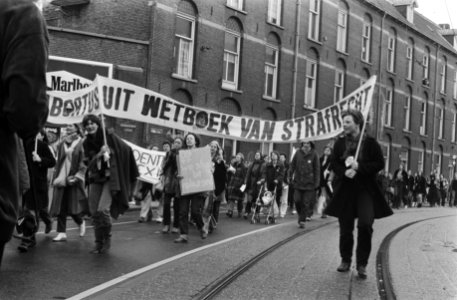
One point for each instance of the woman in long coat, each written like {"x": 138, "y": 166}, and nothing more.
{"x": 252, "y": 182}
{"x": 39, "y": 159}
{"x": 69, "y": 196}
{"x": 273, "y": 176}
{"x": 235, "y": 195}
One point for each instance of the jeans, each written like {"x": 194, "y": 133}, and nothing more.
{"x": 195, "y": 203}
{"x": 304, "y": 202}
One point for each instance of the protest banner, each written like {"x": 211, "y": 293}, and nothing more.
{"x": 194, "y": 165}
{"x": 149, "y": 163}
{"x": 119, "y": 99}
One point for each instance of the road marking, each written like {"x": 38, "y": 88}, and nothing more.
{"x": 138, "y": 272}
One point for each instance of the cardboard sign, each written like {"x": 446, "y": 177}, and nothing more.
{"x": 194, "y": 165}
{"x": 149, "y": 163}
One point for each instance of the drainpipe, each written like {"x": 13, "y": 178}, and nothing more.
{"x": 380, "y": 102}
{"x": 435, "y": 96}
{"x": 295, "y": 69}
{"x": 152, "y": 8}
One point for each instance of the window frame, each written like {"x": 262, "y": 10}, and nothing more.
{"x": 407, "y": 110}
{"x": 391, "y": 45}
{"x": 338, "y": 91}
{"x": 366, "y": 41}
{"x": 388, "y": 106}
{"x": 240, "y": 5}
{"x": 410, "y": 59}
{"x": 423, "y": 119}
{"x": 190, "y": 63}
{"x": 342, "y": 30}
{"x": 275, "y": 68}
{"x": 443, "y": 77}
{"x": 226, "y": 83}
{"x": 277, "y": 20}
{"x": 314, "y": 17}
{"x": 310, "y": 78}
{"x": 440, "y": 121}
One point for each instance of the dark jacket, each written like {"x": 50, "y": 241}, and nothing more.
{"x": 305, "y": 170}
{"x": 123, "y": 173}
{"x": 220, "y": 177}
{"x": 37, "y": 197}
{"x": 236, "y": 181}
{"x": 371, "y": 161}
{"x": 254, "y": 174}
{"x": 271, "y": 173}
{"x": 23, "y": 102}
{"x": 170, "y": 173}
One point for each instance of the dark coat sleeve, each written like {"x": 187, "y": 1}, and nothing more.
{"x": 23, "y": 69}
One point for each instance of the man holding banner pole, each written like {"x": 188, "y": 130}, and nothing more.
{"x": 357, "y": 160}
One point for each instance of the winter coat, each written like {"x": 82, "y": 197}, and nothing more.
{"x": 371, "y": 161}
{"x": 272, "y": 173}
{"x": 236, "y": 181}
{"x": 170, "y": 172}
{"x": 254, "y": 174}
{"x": 305, "y": 170}
{"x": 23, "y": 102}
{"x": 37, "y": 197}
{"x": 75, "y": 195}
{"x": 220, "y": 177}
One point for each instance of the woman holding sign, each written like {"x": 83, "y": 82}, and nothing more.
{"x": 111, "y": 174}
{"x": 194, "y": 202}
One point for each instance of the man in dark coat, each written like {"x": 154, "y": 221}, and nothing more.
{"x": 23, "y": 103}
{"x": 357, "y": 194}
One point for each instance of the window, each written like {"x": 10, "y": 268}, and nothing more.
{"x": 274, "y": 11}
{"x": 184, "y": 44}
{"x": 421, "y": 161}
{"x": 230, "y": 69}
{"x": 237, "y": 4}
{"x": 443, "y": 77}
{"x": 339, "y": 84}
{"x": 314, "y": 19}
{"x": 426, "y": 64}
{"x": 366, "y": 39}
{"x": 440, "y": 113}
{"x": 410, "y": 60}
{"x": 271, "y": 71}
{"x": 407, "y": 111}
{"x": 423, "y": 119}
{"x": 391, "y": 51}
{"x": 454, "y": 126}
{"x": 454, "y": 92}
{"x": 310, "y": 85}
{"x": 388, "y": 105}
{"x": 341, "y": 38}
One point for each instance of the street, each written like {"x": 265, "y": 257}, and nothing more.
{"x": 65, "y": 269}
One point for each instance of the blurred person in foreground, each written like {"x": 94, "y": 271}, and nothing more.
{"x": 356, "y": 192}
{"x": 23, "y": 103}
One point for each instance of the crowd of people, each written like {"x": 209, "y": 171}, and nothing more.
{"x": 402, "y": 189}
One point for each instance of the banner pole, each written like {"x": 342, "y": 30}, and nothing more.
{"x": 105, "y": 142}
{"x": 361, "y": 138}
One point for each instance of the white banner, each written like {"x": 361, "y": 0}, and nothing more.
{"x": 123, "y": 100}
{"x": 149, "y": 163}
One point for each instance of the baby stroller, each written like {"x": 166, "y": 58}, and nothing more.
{"x": 264, "y": 204}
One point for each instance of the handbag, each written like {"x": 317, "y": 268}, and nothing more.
{"x": 61, "y": 179}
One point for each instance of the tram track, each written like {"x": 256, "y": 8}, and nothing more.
{"x": 383, "y": 276}
{"x": 217, "y": 286}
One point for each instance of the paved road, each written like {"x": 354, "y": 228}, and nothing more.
{"x": 303, "y": 269}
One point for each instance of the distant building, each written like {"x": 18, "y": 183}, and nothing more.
{"x": 275, "y": 59}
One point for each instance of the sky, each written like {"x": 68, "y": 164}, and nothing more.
{"x": 439, "y": 11}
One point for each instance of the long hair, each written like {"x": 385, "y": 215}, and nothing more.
{"x": 218, "y": 155}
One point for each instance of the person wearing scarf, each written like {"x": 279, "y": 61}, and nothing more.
{"x": 69, "y": 197}
{"x": 356, "y": 192}
{"x": 252, "y": 182}
{"x": 111, "y": 176}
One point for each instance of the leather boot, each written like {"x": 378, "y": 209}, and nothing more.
{"x": 98, "y": 231}
{"x": 106, "y": 238}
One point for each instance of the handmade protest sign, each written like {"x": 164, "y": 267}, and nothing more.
{"x": 119, "y": 99}
{"x": 149, "y": 163}
{"x": 194, "y": 165}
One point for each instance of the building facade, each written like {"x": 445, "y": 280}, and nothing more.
{"x": 277, "y": 59}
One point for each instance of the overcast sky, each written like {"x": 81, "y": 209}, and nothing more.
{"x": 439, "y": 11}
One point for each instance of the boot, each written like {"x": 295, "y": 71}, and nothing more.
{"x": 106, "y": 239}
{"x": 98, "y": 232}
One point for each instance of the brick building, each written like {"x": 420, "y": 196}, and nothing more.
{"x": 276, "y": 59}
